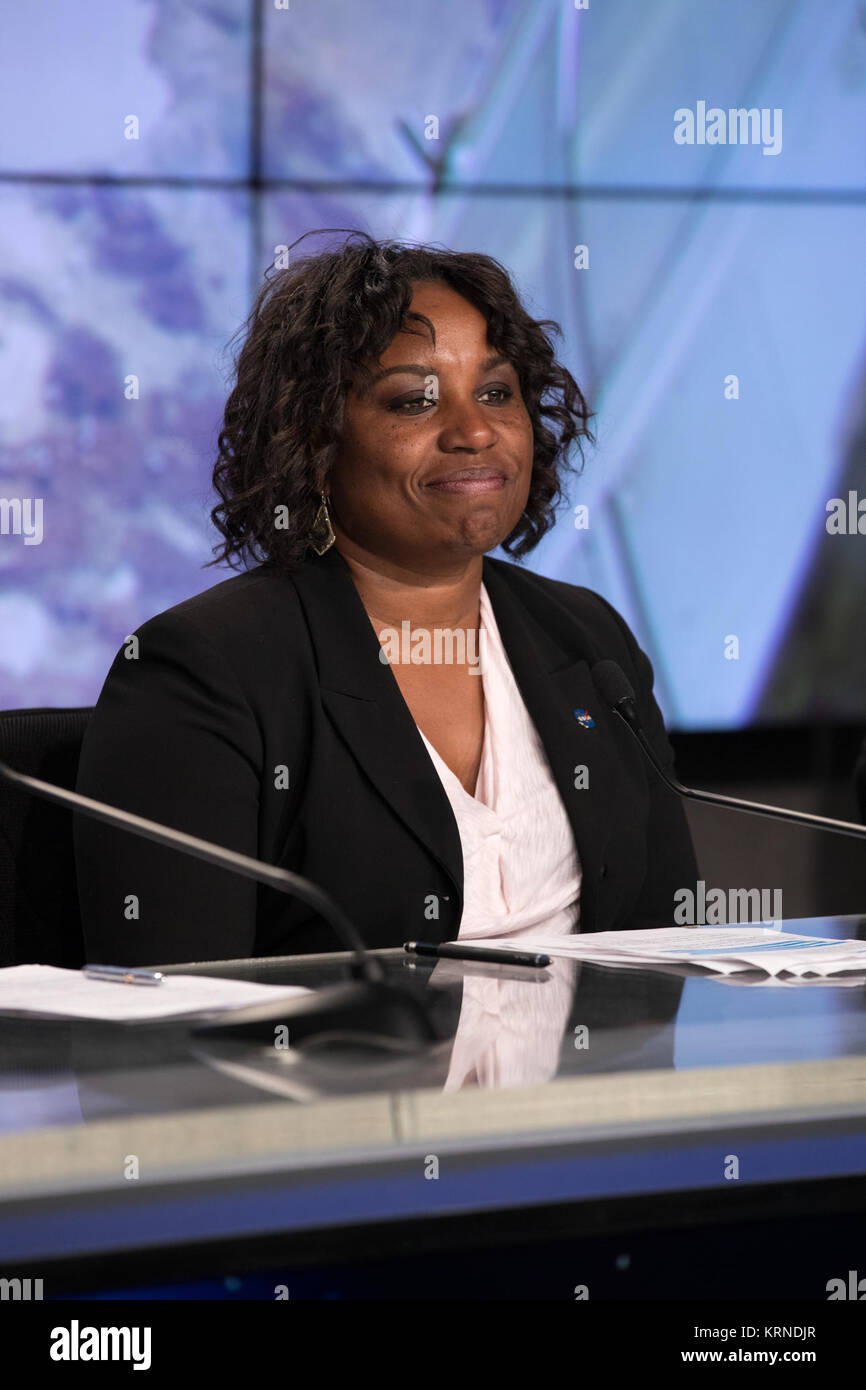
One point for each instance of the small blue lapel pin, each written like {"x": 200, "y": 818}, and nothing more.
{"x": 584, "y": 718}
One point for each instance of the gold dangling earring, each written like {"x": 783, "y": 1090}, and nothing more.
{"x": 323, "y": 532}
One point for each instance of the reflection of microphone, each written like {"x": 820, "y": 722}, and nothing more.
{"x": 368, "y": 1004}
{"x": 613, "y": 686}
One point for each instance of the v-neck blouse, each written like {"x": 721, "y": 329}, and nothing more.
{"x": 521, "y": 868}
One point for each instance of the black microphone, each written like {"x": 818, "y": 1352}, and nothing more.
{"x": 613, "y": 685}
{"x": 368, "y": 1003}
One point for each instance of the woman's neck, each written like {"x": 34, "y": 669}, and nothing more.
{"x": 392, "y": 595}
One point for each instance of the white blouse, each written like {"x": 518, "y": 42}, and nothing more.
{"x": 520, "y": 866}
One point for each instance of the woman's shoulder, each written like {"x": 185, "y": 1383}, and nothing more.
{"x": 546, "y": 596}
{"x": 582, "y": 622}
{"x": 243, "y": 593}
{"x": 250, "y": 624}
{"x": 253, "y": 604}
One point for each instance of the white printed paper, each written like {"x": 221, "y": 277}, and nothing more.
{"x": 48, "y": 991}
{"x": 724, "y": 950}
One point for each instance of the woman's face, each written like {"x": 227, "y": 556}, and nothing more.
{"x": 435, "y": 457}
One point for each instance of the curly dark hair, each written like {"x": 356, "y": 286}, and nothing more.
{"x": 313, "y": 328}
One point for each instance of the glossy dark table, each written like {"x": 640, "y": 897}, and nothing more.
{"x": 639, "y": 1134}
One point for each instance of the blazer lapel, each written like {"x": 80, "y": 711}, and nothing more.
{"x": 540, "y": 637}
{"x": 556, "y": 687}
{"x": 363, "y": 699}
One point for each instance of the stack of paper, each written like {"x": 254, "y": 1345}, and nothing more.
{"x": 725, "y": 950}
{"x": 49, "y": 992}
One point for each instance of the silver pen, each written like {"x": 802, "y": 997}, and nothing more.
{"x": 123, "y": 976}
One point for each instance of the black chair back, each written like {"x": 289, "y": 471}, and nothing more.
{"x": 39, "y": 916}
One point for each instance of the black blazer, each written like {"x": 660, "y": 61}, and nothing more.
{"x": 265, "y": 672}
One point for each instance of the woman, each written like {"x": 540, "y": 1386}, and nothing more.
{"x": 377, "y": 704}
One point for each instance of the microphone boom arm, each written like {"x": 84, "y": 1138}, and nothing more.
{"x": 842, "y": 827}
{"x": 281, "y": 879}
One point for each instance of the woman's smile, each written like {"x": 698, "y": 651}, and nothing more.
{"x": 469, "y": 480}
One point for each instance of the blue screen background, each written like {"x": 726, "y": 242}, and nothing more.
{"x": 139, "y": 257}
